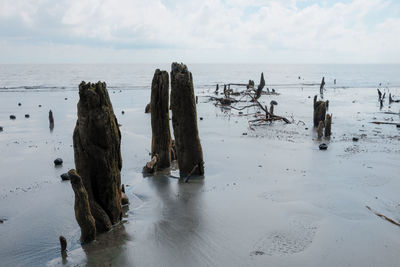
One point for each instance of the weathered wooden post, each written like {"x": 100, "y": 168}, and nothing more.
{"x": 51, "y": 120}
{"x": 260, "y": 86}
{"x": 320, "y": 129}
{"x": 97, "y": 152}
{"x": 83, "y": 214}
{"x": 184, "y": 121}
{"x": 161, "y": 137}
{"x": 328, "y": 123}
{"x": 322, "y": 85}
{"x": 319, "y": 111}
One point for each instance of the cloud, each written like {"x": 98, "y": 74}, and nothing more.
{"x": 218, "y": 30}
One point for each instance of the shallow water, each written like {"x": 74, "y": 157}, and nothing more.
{"x": 268, "y": 198}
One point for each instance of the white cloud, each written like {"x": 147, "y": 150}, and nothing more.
{"x": 221, "y": 30}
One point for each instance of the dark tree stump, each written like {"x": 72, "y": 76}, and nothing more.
{"x": 161, "y": 136}
{"x": 319, "y": 111}
{"x": 260, "y": 86}
{"x": 98, "y": 161}
{"x": 184, "y": 121}
{"x": 328, "y": 123}
{"x": 83, "y": 214}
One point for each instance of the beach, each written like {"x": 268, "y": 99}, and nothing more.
{"x": 269, "y": 196}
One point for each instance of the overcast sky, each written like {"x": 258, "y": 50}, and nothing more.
{"x": 199, "y": 31}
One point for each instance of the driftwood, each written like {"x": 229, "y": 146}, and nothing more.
{"x": 383, "y": 216}
{"x": 184, "y": 121}
{"x": 319, "y": 111}
{"x": 97, "y": 142}
{"x": 161, "y": 136}
{"x": 385, "y": 122}
{"x": 83, "y": 213}
{"x": 328, "y": 123}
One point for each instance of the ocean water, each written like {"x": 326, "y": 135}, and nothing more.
{"x": 139, "y": 76}
{"x": 269, "y": 196}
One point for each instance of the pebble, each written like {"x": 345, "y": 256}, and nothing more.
{"x": 273, "y": 102}
{"x": 244, "y": 133}
{"x": 1, "y": 129}
{"x": 323, "y": 146}
{"x": 58, "y": 161}
{"x": 27, "y": 116}
{"x": 12, "y": 117}
{"x": 64, "y": 176}
{"x": 201, "y": 118}
{"x": 66, "y": 98}
{"x": 123, "y": 112}
{"x": 40, "y": 106}
{"x": 355, "y": 139}
{"x": 19, "y": 104}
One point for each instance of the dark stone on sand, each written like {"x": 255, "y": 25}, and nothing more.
{"x": 66, "y": 98}
{"x": 40, "y": 106}
{"x": 355, "y": 139}
{"x": 12, "y": 117}
{"x": 19, "y": 104}
{"x": 97, "y": 151}
{"x": 1, "y": 221}
{"x": 244, "y": 133}
{"x": 306, "y": 128}
{"x": 1, "y": 129}
{"x": 201, "y": 118}
{"x": 27, "y": 116}
{"x": 147, "y": 109}
{"x": 323, "y": 146}
{"x": 273, "y": 102}
{"x": 64, "y": 176}
{"x": 184, "y": 121}
{"x": 123, "y": 112}
{"x": 58, "y": 161}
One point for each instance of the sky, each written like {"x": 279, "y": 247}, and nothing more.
{"x": 199, "y": 31}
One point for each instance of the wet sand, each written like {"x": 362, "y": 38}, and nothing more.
{"x": 270, "y": 197}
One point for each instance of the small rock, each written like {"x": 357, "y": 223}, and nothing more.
{"x": 273, "y": 102}
{"x": 1, "y": 221}
{"x": 323, "y": 146}
{"x": 19, "y": 104}
{"x": 201, "y": 118}
{"x": 398, "y": 125}
{"x": 123, "y": 112}
{"x": 40, "y": 106}
{"x": 306, "y": 128}
{"x": 58, "y": 161}
{"x": 355, "y": 139}
{"x": 66, "y": 98}
{"x": 244, "y": 133}
{"x": 64, "y": 176}
{"x": 1, "y": 129}
{"x": 12, "y": 117}
{"x": 240, "y": 112}
{"x": 27, "y": 116}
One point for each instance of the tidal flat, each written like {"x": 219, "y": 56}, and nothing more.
{"x": 269, "y": 195}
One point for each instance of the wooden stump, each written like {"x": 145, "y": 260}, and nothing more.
{"x": 97, "y": 152}
{"x": 161, "y": 136}
{"x": 319, "y": 111}
{"x": 83, "y": 213}
{"x": 51, "y": 120}
{"x": 260, "y": 86}
{"x": 320, "y": 129}
{"x": 328, "y": 123}
{"x": 322, "y": 85}
{"x": 184, "y": 121}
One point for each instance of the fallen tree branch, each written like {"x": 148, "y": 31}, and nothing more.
{"x": 383, "y": 216}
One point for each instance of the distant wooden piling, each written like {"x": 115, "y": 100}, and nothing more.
{"x": 322, "y": 85}
{"x": 51, "y": 120}
{"x": 184, "y": 121}
{"x": 319, "y": 111}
